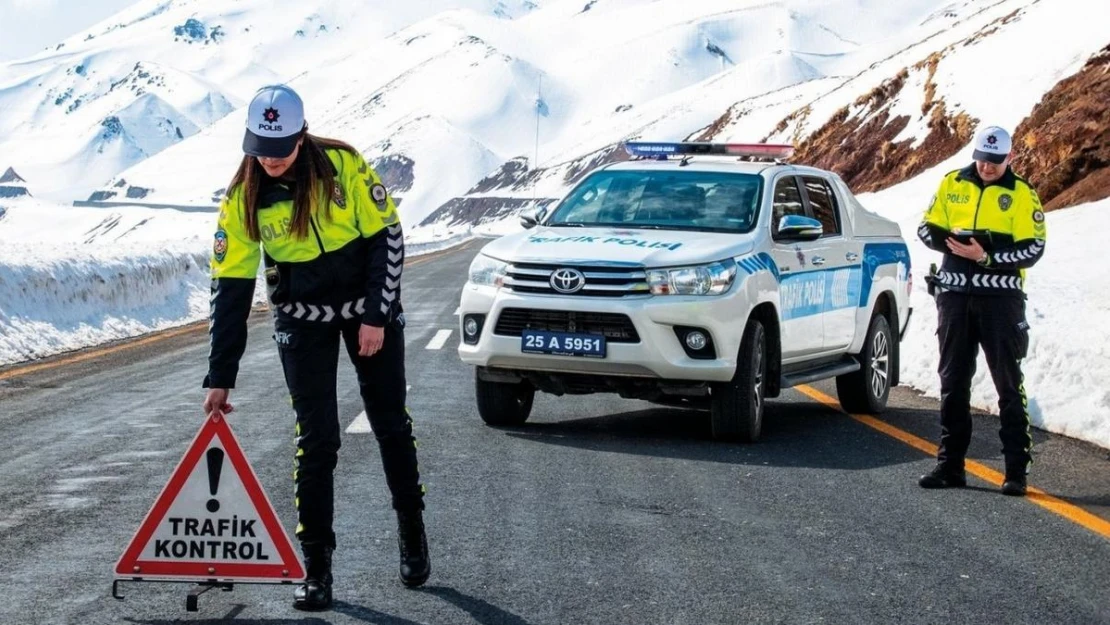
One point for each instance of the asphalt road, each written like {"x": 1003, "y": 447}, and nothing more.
{"x": 599, "y": 510}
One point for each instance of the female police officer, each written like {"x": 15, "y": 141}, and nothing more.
{"x": 331, "y": 240}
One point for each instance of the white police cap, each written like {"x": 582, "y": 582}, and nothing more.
{"x": 993, "y": 145}
{"x": 275, "y": 119}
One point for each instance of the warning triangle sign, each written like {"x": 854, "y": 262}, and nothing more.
{"x": 212, "y": 521}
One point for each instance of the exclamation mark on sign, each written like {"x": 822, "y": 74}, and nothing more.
{"x": 215, "y": 464}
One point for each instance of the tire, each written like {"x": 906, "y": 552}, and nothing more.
{"x": 501, "y": 404}
{"x": 736, "y": 407}
{"x": 866, "y": 391}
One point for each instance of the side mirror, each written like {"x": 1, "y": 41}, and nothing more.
{"x": 532, "y": 217}
{"x": 798, "y": 228}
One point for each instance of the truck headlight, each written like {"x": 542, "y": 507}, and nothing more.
{"x": 486, "y": 271}
{"x": 711, "y": 279}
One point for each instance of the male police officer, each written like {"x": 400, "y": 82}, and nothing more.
{"x": 989, "y": 224}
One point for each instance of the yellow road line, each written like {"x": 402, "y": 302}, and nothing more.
{"x": 1071, "y": 512}
{"x": 161, "y": 336}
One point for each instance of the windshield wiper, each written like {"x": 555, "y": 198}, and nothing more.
{"x": 580, "y": 224}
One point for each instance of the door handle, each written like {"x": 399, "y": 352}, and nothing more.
{"x": 851, "y": 257}
{"x": 817, "y": 260}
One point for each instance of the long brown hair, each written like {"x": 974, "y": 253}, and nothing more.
{"x": 314, "y": 179}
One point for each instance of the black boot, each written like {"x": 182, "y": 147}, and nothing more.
{"x": 1014, "y": 485}
{"x": 415, "y": 563}
{"x": 943, "y": 476}
{"x": 315, "y": 593}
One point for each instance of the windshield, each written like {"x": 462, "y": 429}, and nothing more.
{"x": 671, "y": 200}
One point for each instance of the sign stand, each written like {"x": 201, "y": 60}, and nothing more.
{"x": 210, "y": 526}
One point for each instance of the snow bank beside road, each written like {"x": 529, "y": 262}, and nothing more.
{"x": 65, "y": 303}
{"x": 76, "y": 277}
{"x": 1067, "y": 371}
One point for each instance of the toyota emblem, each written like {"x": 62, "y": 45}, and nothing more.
{"x": 567, "y": 280}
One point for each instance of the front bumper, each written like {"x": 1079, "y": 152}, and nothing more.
{"x": 658, "y": 353}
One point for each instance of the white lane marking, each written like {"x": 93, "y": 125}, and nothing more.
{"x": 361, "y": 424}
{"x": 458, "y": 310}
{"x": 439, "y": 340}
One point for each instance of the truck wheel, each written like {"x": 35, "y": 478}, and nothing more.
{"x": 736, "y": 407}
{"x": 500, "y": 403}
{"x": 866, "y": 391}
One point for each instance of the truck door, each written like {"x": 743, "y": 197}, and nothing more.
{"x": 800, "y": 299}
{"x": 842, "y": 264}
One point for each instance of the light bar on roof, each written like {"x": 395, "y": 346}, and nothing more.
{"x": 662, "y": 150}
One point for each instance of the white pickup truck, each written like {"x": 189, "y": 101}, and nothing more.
{"x": 690, "y": 275}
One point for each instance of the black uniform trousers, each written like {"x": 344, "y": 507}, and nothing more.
{"x": 309, "y": 353}
{"x": 997, "y": 322}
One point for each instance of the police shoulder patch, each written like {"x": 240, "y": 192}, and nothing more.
{"x": 1038, "y": 216}
{"x": 219, "y": 246}
{"x": 1005, "y": 201}
{"x": 339, "y": 195}
{"x": 378, "y": 193}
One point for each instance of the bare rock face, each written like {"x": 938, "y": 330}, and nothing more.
{"x": 12, "y": 185}
{"x": 576, "y": 170}
{"x": 503, "y": 192}
{"x": 511, "y": 175}
{"x": 858, "y": 142}
{"x": 479, "y": 210}
{"x": 10, "y": 177}
{"x": 1063, "y": 147}
{"x": 396, "y": 171}
{"x": 12, "y": 192}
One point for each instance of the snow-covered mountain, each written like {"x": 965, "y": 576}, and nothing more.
{"x": 108, "y": 98}
{"x": 909, "y": 103}
{"x": 148, "y": 105}
{"x": 476, "y": 108}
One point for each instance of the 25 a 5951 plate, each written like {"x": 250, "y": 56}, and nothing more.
{"x": 563, "y": 344}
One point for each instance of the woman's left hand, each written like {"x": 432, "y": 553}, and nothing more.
{"x": 370, "y": 339}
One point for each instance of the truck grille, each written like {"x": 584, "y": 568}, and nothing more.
{"x": 615, "y": 327}
{"x": 600, "y": 280}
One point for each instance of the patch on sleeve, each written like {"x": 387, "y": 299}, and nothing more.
{"x": 378, "y": 193}
{"x": 219, "y": 246}
{"x": 1038, "y": 216}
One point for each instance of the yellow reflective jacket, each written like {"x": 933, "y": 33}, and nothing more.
{"x": 1005, "y": 217}
{"x": 347, "y": 268}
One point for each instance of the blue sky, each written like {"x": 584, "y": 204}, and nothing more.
{"x": 28, "y": 26}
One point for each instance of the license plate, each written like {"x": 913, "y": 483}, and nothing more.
{"x": 562, "y": 343}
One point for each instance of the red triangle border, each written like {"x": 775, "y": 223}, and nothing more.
{"x": 289, "y": 569}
